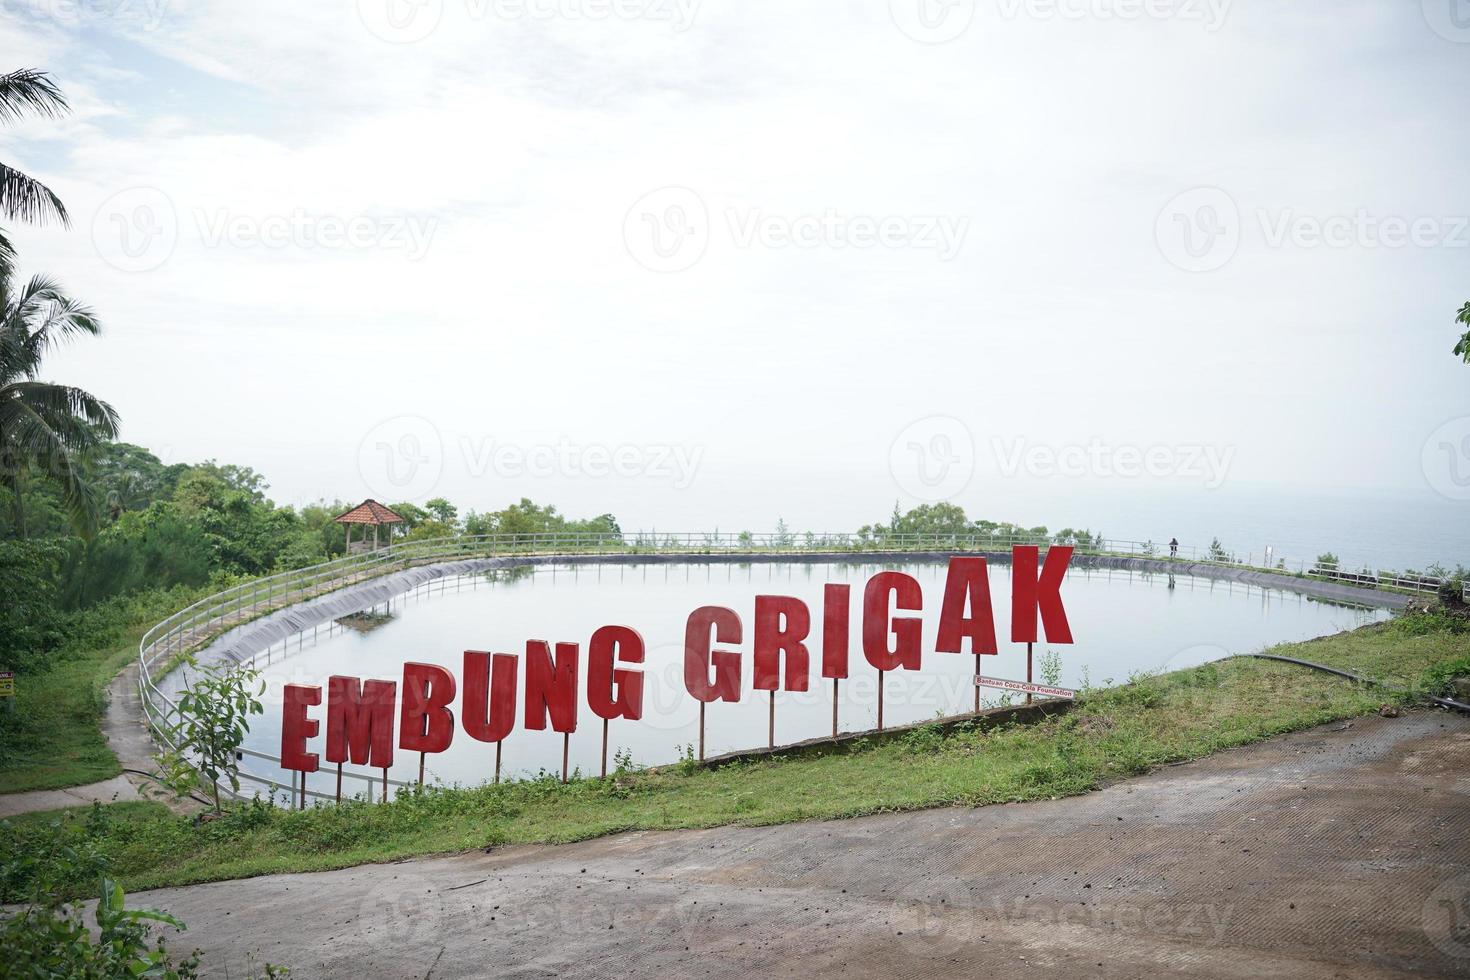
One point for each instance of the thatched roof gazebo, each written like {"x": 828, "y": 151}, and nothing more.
{"x": 369, "y": 512}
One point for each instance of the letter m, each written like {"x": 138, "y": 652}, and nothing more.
{"x": 360, "y": 721}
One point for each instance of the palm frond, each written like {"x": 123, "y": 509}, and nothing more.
{"x": 30, "y": 91}
{"x": 49, "y": 316}
{"x": 30, "y": 441}
{"x": 75, "y": 418}
{"x": 24, "y": 198}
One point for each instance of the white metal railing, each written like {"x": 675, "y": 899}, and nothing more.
{"x": 192, "y": 627}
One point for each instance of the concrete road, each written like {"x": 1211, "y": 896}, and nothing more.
{"x": 1344, "y": 851}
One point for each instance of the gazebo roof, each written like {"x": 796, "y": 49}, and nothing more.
{"x": 369, "y": 512}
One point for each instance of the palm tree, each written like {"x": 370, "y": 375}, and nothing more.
{"x": 23, "y": 198}
{"x": 1463, "y": 347}
{"x": 45, "y": 426}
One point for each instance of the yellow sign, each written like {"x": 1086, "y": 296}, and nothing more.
{"x": 7, "y": 684}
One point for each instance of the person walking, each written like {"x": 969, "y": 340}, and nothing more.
{"x": 1173, "y": 547}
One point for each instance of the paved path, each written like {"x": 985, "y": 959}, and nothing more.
{"x": 114, "y": 790}
{"x": 1344, "y": 851}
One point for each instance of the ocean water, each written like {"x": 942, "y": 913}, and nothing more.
{"x": 1397, "y": 530}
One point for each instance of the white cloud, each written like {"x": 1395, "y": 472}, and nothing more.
{"x": 526, "y": 141}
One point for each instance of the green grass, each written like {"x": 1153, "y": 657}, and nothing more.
{"x": 51, "y": 738}
{"x": 1109, "y": 735}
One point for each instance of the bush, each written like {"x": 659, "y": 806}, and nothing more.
{"x": 49, "y": 938}
{"x": 30, "y": 623}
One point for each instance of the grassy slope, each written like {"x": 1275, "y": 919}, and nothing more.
{"x": 1110, "y": 735}
{"x": 53, "y": 739}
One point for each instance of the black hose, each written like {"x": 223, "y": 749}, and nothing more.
{"x": 1442, "y": 702}
{"x": 156, "y": 779}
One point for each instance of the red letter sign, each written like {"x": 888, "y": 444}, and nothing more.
{"x": 781, "y": 624}
{"x": 426, "y": 723}
{"x": 1028, "y": 594}
{"x": 906, "y": 632}
{"x": 836, "y": 600}
{"x": 615, "y": 693}
{"x": 296, "y": 728}
{"x": 551, "y": 686}
{"x": 360, "y": 721}
{"x": 967, "y": 580}
{"x": 489, "y": 695}
{"x": 698, "y": 657}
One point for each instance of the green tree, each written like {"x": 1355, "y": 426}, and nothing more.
{"x": 30, "y": 625}
{"x": 208, "y": 724}
{"x": 442, "y": 511}
{"x": 45, "y": 426}
{"x": 1463, "y": 347}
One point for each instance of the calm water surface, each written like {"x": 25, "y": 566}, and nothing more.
{"x": 1123, "y": 622}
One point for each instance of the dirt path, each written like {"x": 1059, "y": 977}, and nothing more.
{"x": 1344, "y": 851}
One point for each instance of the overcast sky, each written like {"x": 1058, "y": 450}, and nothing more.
{"x": 710, "y": 262}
